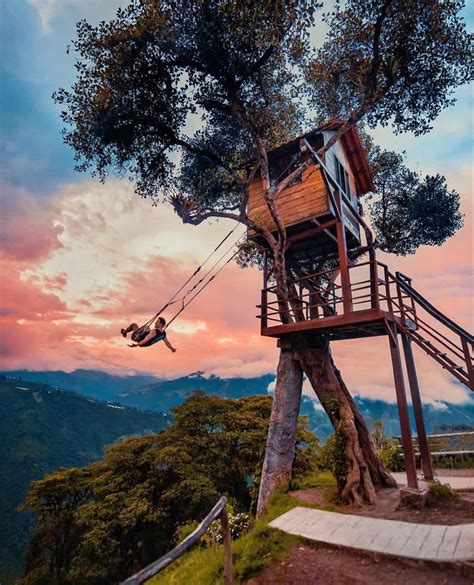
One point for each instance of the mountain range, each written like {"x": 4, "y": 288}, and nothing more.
{"x": 161, "y": 395}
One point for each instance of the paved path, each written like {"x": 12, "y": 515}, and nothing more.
{"x": 416, "y": 541}
{"x": 456, "y": 482}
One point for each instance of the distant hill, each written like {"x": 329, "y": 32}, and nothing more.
{"x": 91, "y": 383}
{"x": 443, "y": 415}
{"x": 42, "y": 429}
{"x": 160, "y": 395}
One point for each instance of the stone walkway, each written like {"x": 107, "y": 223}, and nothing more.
{"x": 416, "y": 541}
{"x": 456, "y": 482}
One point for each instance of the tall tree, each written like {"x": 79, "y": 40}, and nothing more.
{"x": 242, "y": 69}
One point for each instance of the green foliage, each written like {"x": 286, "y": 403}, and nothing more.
{"x": 333, "y": 457}
{"x": 239, "y": 524}
{"x": 261, "y": 547}
{"x": 455, "y": 461}
{"x": 140, "y": 76}
{"x": 43, "y": 429}
{"x": 440, "y": 492}
{"x": 391, "y": 61}
{"x": 101, "y": 523}
{"x": 388, "y": 449}
{"x": 409, "y": 210}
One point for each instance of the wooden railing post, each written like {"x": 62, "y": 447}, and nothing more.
{"x": 387, "y": 289}
{"x": 228, "y": 579}
{"x": 374, "y": 281}
{"x": 468, "y": 359}
{"x": 342, "y": 253}
{"x": 264, "y": 295}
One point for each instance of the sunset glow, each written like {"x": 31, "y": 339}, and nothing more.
{"x": 81, "y": 259}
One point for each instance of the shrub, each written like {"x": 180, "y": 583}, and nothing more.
{"x": 440, "y": 492}
{"x": 388, "y": 449}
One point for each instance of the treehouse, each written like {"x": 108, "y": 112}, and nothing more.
{"x": 336, "y": 294}
{"x": 308, "y": 205}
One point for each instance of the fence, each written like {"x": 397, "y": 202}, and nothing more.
{"x": 219, "y": 511}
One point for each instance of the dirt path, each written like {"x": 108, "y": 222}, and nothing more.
{"x": 459, "y": 511}
{"x": 331, "y": 566}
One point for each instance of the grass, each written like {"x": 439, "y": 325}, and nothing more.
{"x": 317, "y": 479}
{"x": 261, "y": 547}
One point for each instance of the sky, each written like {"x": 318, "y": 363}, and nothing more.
{"x": 80, "y": 259}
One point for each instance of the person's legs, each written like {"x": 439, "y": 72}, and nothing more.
{"x": 132, "y": 327}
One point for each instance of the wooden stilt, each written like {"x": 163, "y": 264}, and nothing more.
{"x": 426, "y": 462}
{"x": 407, "y": 443}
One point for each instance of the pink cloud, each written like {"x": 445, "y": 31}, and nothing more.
{"x": 65, "y": 301}
{"x": 27, "y": 231}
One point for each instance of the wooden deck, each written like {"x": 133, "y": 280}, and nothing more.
{"x": 366, "y": 323}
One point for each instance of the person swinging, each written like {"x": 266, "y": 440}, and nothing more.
{"x": 145, "y": 337}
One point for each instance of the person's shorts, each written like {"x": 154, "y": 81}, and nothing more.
{"x": 140, "y": 334}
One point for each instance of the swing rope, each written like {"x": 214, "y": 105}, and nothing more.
{"x": 185, "y": 305}
{"x": 173, "y": 299}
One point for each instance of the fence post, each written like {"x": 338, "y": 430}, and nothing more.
{"x": 228, "y": 580}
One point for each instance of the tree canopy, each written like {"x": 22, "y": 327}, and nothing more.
{"x": 98, "y": 524}
{"x": 391, "y": 61}
{"x": 185, "y": 97}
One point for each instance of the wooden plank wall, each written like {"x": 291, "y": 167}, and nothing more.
{"x": 299, "y": 202}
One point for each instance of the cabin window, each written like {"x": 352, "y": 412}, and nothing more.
{"x": 342, "y": 177}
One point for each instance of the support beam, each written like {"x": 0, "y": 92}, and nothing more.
{"x": 425, "y": 455}
{"x": 343, "y": 257}
{"x": 407, "y": 443}
{"x": 264, "y": 295}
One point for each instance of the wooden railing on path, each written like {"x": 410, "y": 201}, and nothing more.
{"x": 438, "y": 442}
{"x": 219, "y": 511}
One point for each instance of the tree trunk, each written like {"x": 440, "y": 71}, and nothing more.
{"x": 280, "y": 447}
{"x": 358, "y": 467}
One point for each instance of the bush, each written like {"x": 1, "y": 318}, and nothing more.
{"x": 440, "y": 492}
{"x": 388, "y": 449}
{"x": 392, "y": 458}
{"x": 239, "y": 525}
{"x": 260, "y": 547}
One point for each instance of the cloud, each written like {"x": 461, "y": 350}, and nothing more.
{"x": 48, "y": 10}
{"x": 27, "y": 229}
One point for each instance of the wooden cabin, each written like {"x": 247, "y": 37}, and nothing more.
{"x": 306, "y": 203}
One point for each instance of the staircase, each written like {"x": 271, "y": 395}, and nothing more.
{"x": 318, "y": 301}
{"x": 437, "y": 335}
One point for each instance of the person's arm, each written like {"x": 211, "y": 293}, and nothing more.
{"x": 148, "y": 338}
{"x": 168, "y": 345}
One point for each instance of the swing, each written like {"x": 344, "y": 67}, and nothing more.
{"x": 140, "y": 333}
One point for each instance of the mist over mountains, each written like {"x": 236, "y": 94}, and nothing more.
{"x": 147, "y": 392}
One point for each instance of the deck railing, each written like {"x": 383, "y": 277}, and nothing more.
{"x": 219, "y": 511}
{"x": 372, "y": 286}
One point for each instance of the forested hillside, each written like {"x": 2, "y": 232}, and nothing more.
{"x": 43, "y": 429}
